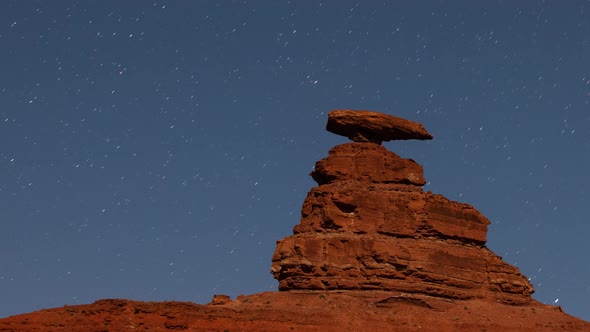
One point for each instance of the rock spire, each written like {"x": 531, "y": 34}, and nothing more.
{"x": 370, "y": 226}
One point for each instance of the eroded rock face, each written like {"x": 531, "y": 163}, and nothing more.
{"x": 370, "y": 226}
{"x": 375, "y": 127}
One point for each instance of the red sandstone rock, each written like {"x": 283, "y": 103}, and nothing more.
{"x": 367, "y": 262}
{"x": 389, "y": 209}
{"x": 369, "y": 226}
{"x": 367, "y": 126}
{"x": 325, "y": 311}
{"x": 220, "y": 299}
{"x": 367, "y": 163}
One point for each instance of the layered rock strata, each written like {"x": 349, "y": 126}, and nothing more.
{"x": 370, "y": 226}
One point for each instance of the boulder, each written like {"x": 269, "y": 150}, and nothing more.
{"x": 374, "y": 127}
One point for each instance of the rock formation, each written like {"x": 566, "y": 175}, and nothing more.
{"x": 375, "y": 127}
{"x": 372, "y": 252}
{"x": 370, "y": 226}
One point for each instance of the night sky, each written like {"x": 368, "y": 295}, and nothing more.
{"x": 157, "y": 150}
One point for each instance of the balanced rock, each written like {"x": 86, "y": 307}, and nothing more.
{"x": 375, "y": 127}
{"x": 370, "y": 226}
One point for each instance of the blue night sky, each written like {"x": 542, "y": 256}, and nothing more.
{"x": 156, "y": 150}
